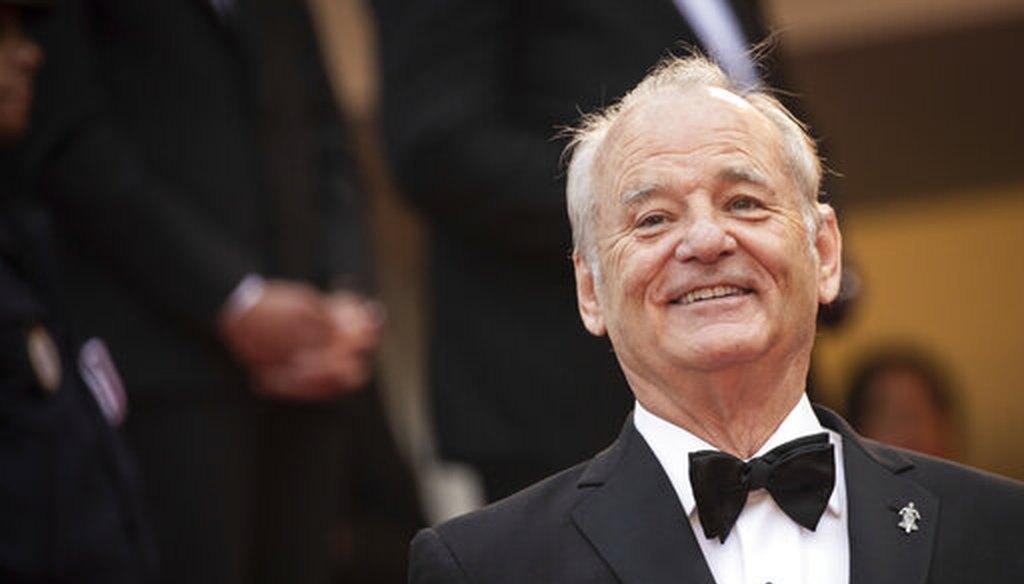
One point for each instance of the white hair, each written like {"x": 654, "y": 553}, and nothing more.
{"x": 682, "y": 74}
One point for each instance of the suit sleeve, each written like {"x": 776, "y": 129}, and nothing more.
{"x": 461, "y": 148}
{"x": 107, "y": 198}
{"x": 431, "y": 561}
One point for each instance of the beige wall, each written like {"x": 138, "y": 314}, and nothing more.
{"x": 808, "y": 25}
{"x": 946, "y": 273}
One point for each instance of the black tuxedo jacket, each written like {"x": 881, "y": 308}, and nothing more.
{"x": 475, "y": 93}
{"x": 617, "y": 519}
{"x": 182, "y": 150}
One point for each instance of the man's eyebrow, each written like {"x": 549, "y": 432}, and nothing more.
{"x": 731, "y": 174}
{"x": 637, "y": 194}
{"x": 742, "y": 174}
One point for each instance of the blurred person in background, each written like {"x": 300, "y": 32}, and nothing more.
{"x": 211, "y": 230}
{"x": 474, "y": 93}
{"x": 70, "y": 505}
{"x": 900, "y": 396}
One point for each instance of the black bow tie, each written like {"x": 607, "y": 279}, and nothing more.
{"x": 799, "y": 475}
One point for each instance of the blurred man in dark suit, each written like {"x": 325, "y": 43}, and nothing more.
{"x": 475, "y": 91}
{"x": 69, "y": 499}
{"x": 703, "y": 253}
{"x": 211, "y": 231}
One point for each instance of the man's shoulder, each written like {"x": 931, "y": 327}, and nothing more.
{"x": 970, "y": 500}
{"x": 953, "y": 479}
{"x": 526, "y": 536}
{"x": 546, "y": 504}
{"x": 535, "y": 508}
{"x": 545, "y": 533}
{"x": 940, "y": 476}
{"x": 979, "y": 514}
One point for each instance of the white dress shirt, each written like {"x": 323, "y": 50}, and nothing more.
{"x": 765, "y": 545}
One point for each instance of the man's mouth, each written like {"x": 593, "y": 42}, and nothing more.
{"x": 709, "y": 293}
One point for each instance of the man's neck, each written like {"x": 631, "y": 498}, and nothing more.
{"x": 734, "y": 410}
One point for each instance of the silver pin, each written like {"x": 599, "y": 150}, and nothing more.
{"x": 44, "y": 357}
{"x": 909, "y": 516}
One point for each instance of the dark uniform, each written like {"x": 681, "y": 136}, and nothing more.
{"x": 69, "y": 507}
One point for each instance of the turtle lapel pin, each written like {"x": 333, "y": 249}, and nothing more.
{"x": 909, "y": 516}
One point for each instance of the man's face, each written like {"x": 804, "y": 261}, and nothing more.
{"x": 705, "y": 258}
{"x": 19, "y": 59}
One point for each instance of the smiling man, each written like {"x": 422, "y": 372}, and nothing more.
{"x": 702, "y": 251}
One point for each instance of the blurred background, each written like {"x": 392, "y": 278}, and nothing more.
{"x": 918, "y": 104}
{"x": 919, "y": 107}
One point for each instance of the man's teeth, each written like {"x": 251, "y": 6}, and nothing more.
{"x": 708, "y": 293}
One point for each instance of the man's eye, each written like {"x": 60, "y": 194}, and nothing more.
{"x": 745, "y": 204}
{"x": 650, "y": 220}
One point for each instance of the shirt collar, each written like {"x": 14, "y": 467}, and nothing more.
{"x": 672, "y": 446}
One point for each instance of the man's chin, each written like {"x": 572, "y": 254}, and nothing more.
{"x": 724, "y": 352}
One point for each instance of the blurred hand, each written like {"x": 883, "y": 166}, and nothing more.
{"x": 288, "y": 317}
{"x": 340, "y": 365}
{"x": 357, "y": 321}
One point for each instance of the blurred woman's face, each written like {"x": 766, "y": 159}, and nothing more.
{"x": 903, "y": 413}
{"x": 20, "y": 57}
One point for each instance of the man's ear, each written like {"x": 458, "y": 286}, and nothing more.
{"x": 829, "y": 244}
{"x": 586, "y": 296}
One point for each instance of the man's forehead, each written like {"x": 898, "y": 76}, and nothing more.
{"x": 681, "y": 105}
{"x": 667, "y": 119}
{"x": 672, "y": 115}
{"x": 735, "y": 173}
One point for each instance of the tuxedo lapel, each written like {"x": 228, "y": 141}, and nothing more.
{"x": 881, "y": 551}
{"x": 212, "y": 9}
{"x": 634, "y": 520}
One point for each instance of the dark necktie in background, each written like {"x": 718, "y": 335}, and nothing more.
{"x": 288, "y": 132}
{"x": 799, "y": 475}
{"x": 223, "y": 8}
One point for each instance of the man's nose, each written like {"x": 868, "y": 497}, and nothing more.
{"x": 705, "y": 240}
